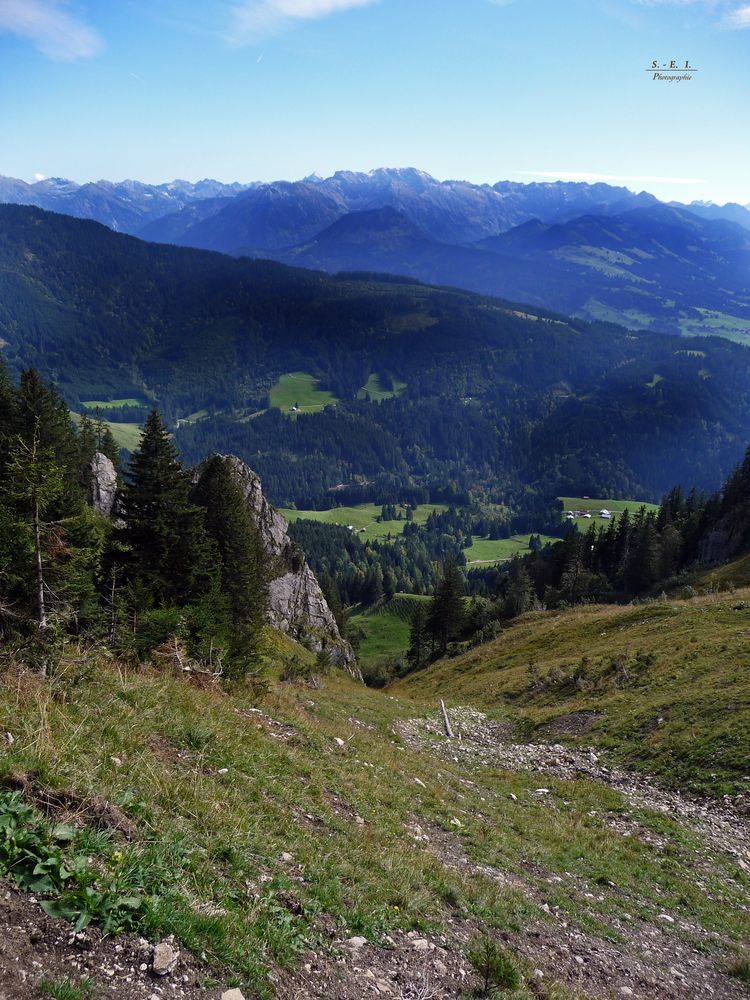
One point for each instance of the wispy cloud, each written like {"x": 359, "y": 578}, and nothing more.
{"x": 580, "y": 175}
{"x": 739, "y": 18}
{"x": 51, "y": 27}
{"x": 253, "y": 20}
{"x": 729, "y": 13}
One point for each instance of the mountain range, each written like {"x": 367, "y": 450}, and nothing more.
{"x": 595, "y": 251}
{"x": 126, "y": 206}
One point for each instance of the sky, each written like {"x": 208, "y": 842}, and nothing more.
{"x": 480, "y": 90}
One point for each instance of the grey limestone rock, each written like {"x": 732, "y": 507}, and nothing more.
{"x": 103, "y": 484}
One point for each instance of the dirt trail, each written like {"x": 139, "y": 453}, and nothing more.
{"x": 722, "y": 824}
{"x": 669, "y": 958}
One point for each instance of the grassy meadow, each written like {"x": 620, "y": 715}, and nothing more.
{"x": 383, "y": 632}
{"x": 376, "y": 392}
{"x": 615, "y": 507}
{"x": 103, "y": 404}
{"x": 493, "y": 550}
{"x": 667, "y": 680}
{"x": 363, "y": 516}
{"x": 300, "y": 390}
{"x": 127, "y": 436}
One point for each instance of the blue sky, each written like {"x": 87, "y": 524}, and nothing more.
{"x": 477, "y": 89}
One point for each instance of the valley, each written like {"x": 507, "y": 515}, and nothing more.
{"x": 480, "y": 394}
{"x": 375, "y": 540}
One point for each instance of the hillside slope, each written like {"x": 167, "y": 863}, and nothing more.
{"x": 663, "y": 685}
{"x": 309, "y": 842}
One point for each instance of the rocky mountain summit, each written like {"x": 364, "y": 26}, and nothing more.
{"x": 297, "y": 606}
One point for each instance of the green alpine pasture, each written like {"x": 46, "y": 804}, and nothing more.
{"x": 127, "y": 436}
{"x": 667, "y": 683}
{"x": 103, "y": 404}
{"x": 382, "y": 633}
{"x": 594, "y": 505}
{"x": 297, "y": 392}
{"x": 374, "y": 390}
{"x": 495, "y": 550}
{"x": 362, "y": 518}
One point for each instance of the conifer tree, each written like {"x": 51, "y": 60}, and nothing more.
{"x": 446, "y": 613}
{"x": 389, "y": 585}
{"x": 43, "y": 414}
{"x": 169, "y": 560}
{"x": 416, "y": 653}
{"x": 242, "y": 558}
{"x": 333, "y": 599}
{"x": 519, "y": 595}
{"x": 33, "y": 482}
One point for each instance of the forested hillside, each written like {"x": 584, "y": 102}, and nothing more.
{"x": 493, "y": 397}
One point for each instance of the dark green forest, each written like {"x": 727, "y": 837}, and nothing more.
{"x": 500, "y": 403}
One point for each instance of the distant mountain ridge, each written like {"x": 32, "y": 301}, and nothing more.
{"x": 654, "y": 267}
{"x": 453, "y": 211}
{"x": 124, "y": 206}
{"x": 596, "y": 251}
{"x": 446, "y": 211}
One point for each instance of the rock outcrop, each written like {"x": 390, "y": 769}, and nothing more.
{"x": 102, "y": 485}
{"x": 296, "y": 606}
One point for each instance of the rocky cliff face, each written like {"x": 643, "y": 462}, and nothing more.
{"x": 297, "y": 606}
{"x": 102, "y": 485}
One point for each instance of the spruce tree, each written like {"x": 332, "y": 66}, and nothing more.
{"x": 447, "y": 613}
{"x": 32, "y": 484}
{"x": 43, "y": 413}
{"x": 241, "y": 554}
{"x": 333, "y": 599}
{"x": 416, "y": 653}
{"x": 169, "y": 559}
{"x": 519, "y": 594}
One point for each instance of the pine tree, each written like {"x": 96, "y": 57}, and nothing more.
{"x": 33, "y": 482}
{"x": 169, "y": 560}
{"x": 519, "y": 595}
{"x": 447, "y": 613}
{"x": 243, "y": 574}
{"x": 416, "y": 653}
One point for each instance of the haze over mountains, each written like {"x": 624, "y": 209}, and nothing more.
{"x": 591, "y": 250}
